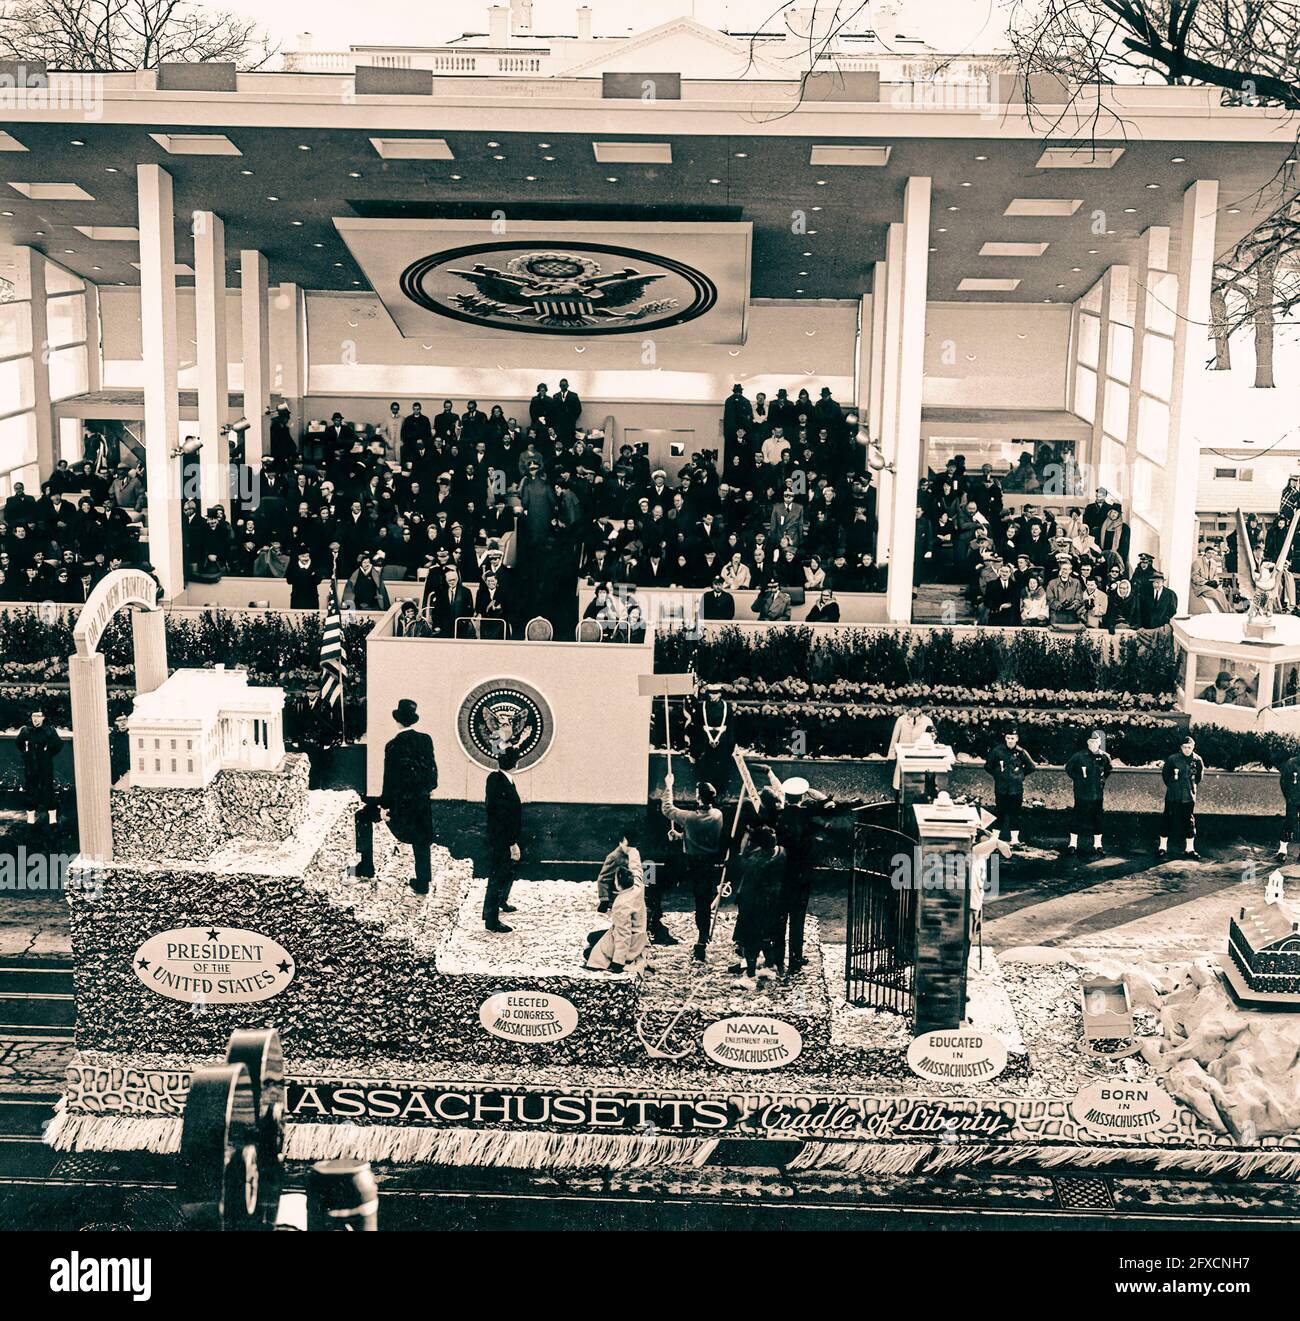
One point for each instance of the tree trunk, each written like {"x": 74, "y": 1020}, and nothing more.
{"x": 1263, "y": 316}
{"x": 1219, "y": 330}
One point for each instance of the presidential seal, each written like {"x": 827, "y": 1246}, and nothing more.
{"x": 504, "y": 713}
{"x": 582, "y": 289}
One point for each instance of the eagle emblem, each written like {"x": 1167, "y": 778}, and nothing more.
{"x": 505, "y": 714}
{"x": 558, "y": 289}
{"x": 583, "y": 289}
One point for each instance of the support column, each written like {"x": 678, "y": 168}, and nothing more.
{"x": 32, "y": 267}
{"x": 911, "y": 367}
{"x": 1152, "y": 269}
{"x": 257, "y": 353}
{"x": 288, "y": 381}
{"x": 149, "y": 648}
{"x": 1195, "y": 275}
{"x": 875, "y": 383}
{"x": 886, "y": 421}
{"x": 210, "y": 327}
{"x": 161, "y": 401}
{"x": 88, "y": 690}
{"x": 1114, "y": 298}
{"x": 945, "y": 836}
{"x": 94, "y": 341}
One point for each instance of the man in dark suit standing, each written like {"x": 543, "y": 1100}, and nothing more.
{"x": 410, "y": 776}
{"x": 718, "y": 603}
{"x": 566, "y": 409}
{"x": 504, "y": 818}
{"x": 1157, "y": 605}
{"x": 338, "y": 439}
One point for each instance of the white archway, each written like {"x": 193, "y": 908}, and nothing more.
{"x": 88, "y": 688}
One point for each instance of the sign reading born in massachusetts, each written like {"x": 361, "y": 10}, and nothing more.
{"x": 213, "y": 965}
{"x": 504, "y": 713}
{"x": 1123, "y": 1108}
{"x": 537, "y": 1017}
{"x": 576, "y": 289}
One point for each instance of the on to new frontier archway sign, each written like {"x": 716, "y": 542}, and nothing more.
{"x": 120, "y": 590}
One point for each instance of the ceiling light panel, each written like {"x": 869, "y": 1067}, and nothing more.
{"x": 1043, "y": 206}
{"x": 972, "y": 284}
{"x": 850, "y": 155}
{"x": 1079, "y": 158}
{"x": 633, "y": 153}
{"x": 413, "y": 149}
{"x": 992, "y": 249}
{"x": 53, "y": 192}
{"x": 196, "y": 144}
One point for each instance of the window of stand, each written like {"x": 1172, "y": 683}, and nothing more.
{"x": 1224, "y": 682}
{"x": 1286, "y": 684}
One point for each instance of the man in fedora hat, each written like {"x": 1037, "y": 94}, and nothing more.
{"x": 410, "y": 776}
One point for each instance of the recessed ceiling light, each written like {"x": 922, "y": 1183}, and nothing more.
{"x": 981, "y": 158}
{"x": 1153, "y": 185}
{"x": 1092, "y": 252}
{"x": 812, "y": 233}
{"x": 1060, "y": 286}
{"x": 965, "y": 185}
{"x": 715, "y": 180}
{"x": 611, "y": 178}
{"x": 455, "y": 176}
{"x": 494, "y": 144}
{"x": 318, "y": 245}
{"x": 1234, "y": 211}
{"x": 742, "y": 155}
{"x": 1076, "y": 269}
{"x": 954, "y": 208}
{"x": 68, "y": 252}
{"x": 96, "y": 268}
{"x": 548, "y": 158}
{"x": 40, "y": 233}
{"x": 110, "y": 169}
{"x": 272, "y": 198}
{"x": 816, "y": 208}
{"x": 295, "y": 222}
{"x": 78, "y": 142}
{"x": 498, "y": 157}
{"x": 543, "y": 145}
{"x": 1177, "y": 160}
{"x": 806, "y": 254}
{"x": 356, "y": 281}
{"x": 338, "y": 263}
{"x": 821, "y": 183}
{"x": 532, "y": 178}
{"x": 803, "y": 272}
{"x": 246, "y": 172}
{"x": 6, "y": 213}
{"x": 1129, "y": 210}
{"x": 302, "y": 146}
{"x": 934, "y": 249}
{"x": 354, "y": 174}
{"x": 798, "y": 291}
{"x": 942, "y": 229}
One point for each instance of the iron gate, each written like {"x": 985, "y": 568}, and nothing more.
{"x": 880, "y": 954}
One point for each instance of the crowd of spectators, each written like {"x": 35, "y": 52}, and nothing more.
{"x": 496, "y": 516}
{"x": 1035, "y": 565}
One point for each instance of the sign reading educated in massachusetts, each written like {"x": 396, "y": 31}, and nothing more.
{"x": 213, "y": 965}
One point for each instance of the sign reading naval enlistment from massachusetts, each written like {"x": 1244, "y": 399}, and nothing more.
{"x": 959, "y": 1055}
{"x": 537, "y": 1017}
{"x": 750, "y": 1042}
{"x": 213, "y": 965}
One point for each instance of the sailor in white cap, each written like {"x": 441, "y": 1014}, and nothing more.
{"x": 710, "y": 738}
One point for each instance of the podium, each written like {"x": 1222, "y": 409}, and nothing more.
{"x": 945, "y": 833}
{"x": 923, "y": 770}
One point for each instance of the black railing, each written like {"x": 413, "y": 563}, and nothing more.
{"x": 880, "y": 954}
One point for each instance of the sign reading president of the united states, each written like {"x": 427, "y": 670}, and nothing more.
{"x": 575, "y": 289}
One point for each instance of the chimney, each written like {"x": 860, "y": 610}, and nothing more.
{"x": 304, "y": 41}
{"x": 584, "y": 22}
{"x": 498, "y": 25}
{"x": 521, "y": 14}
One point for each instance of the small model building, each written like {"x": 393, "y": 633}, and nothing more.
{"x": 200, "y": 722}
{"x": 1263, "y": 965}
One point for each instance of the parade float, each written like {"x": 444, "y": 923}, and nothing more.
{"x": 228, "y": 899}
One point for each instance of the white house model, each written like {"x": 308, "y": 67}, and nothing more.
{"x": 200, "y": 722}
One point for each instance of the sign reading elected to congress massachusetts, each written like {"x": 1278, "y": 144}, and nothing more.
{"x": 537, "y": 1017}
{"x": 213, "y": 965}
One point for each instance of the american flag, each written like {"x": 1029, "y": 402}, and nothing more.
{"x": 333, "y": 665}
